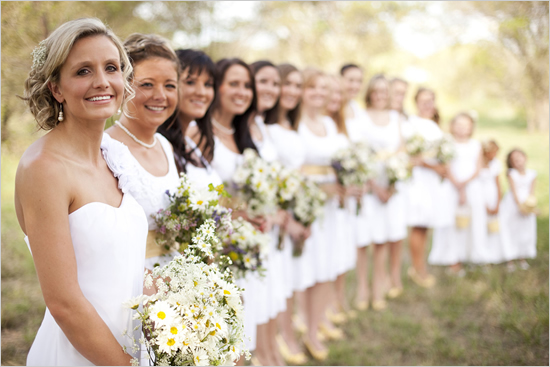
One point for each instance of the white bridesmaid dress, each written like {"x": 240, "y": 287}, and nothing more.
{"x": 291, "y": 155}
{"x": 201, "y": 176}
{"x": 326, "y": 248}
{"x": 452, "y": 245}
{"x": 423, "y": 194}
{"x": 388, "y": 221}
{"x": 487, "y": 176}
{"x": 357, "y": 132}
{"x": 109, "y": 248}
{"x": 519, "y": 232}
{"x": 148, "y": 190}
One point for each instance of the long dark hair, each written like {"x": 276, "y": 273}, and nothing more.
{"x": 272, "y": 115}
{"x": 194, "y": 61}
{"x": 242, "y": 136}
{"x": 294, "y": 114}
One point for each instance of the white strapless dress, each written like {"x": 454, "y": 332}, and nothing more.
{"x": 109, "y": 247}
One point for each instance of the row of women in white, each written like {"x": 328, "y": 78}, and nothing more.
{"x": 84, "y": 198}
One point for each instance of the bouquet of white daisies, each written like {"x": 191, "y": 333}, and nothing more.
{"x": 256, "y": 183}
{"x": 246, "y": 247}
{"x": 416, "y": 145}
{"x": 189, "y": 208}
{"x": 196, "y": 315}
{"x": 397, "y": 168}
{"x": 445, "y": 149}
{"x": 308, "y": 206}
{"x": 354, "y": 166}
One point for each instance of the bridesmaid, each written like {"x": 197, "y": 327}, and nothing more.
{"x": 424, "y": 188}
{"x": 320, "y": 137}
{"x": 466, "y": 239}
{"x": 389, "y": 228}
{"x": 232, "y": 109}
{"x": 147, "y": 167}
{"x": 398, "y": 91}
{"x": 190, "y": 131}
{"x": 270, "y": 290}
{"x": 356, "y": 124}
{"x": 296, "y": 275}
{"x": 346, "y": 220}
{"x": 83, "y": 232}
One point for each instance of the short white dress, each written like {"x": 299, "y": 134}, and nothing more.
{"x": 148, "y": 190}
{"x": 291, "y": 155}
{"x": 109, "y": 249}
{"x": 488, "y": 176}
{"x": 324, "y": 251}
{"x": 270, "y": 290}
{"x": 519, "y": 232}
{"x": 452, "y": 245}
{"x": 357, "y": 132}
{"x": 388, "y": 221}
{"x": 424, "y": 188}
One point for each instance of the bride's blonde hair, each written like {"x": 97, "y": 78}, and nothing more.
{"x": 49, "y": 58}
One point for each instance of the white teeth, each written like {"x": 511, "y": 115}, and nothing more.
{"x": 101, "y": 98}
{"x": 155, "y": 108}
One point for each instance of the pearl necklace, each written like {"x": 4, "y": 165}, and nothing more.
{"x": 148, "y": 146}
{"x": 222, "y": 128}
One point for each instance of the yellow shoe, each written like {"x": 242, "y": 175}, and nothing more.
{"x": 362, "y": 305}
{"x": 336, "y": 318}
{"x": 427, "y": 282}
{"x": 299, "y": 324}
{"x": 319, "y": 355}
{"x": 331, "y": 334}
{"x": 291, "y": 359}
{"x": 379, "y": 305}
{"x": 321, "y": 337}
{"x": 352, "y": 314}
{"x": 255, "y": 361}
{"x": 395, "y": 292}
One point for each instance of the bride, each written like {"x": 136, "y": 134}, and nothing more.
{"x": 87, "y": 237}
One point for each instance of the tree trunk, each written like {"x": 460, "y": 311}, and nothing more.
{"x": 542, "y": 113}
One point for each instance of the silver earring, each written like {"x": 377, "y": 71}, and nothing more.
{"x": 60, "y": 117}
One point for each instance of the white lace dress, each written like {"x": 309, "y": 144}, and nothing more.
{"x": 327, "y": 249}
{"x": 357, "y": 132}
{"x": 109, "y": 249}
{"x": 519, "y": 232}
{"x": 452, "y": 245}
{"x": 149, "y": 191}
{"x": 388, "y": 221}
{"x": 488, "y": 176}
{"x": 291, "y": 154}
{"x": 423, "y": 189}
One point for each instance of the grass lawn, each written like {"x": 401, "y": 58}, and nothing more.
{"x": 485, "y": 318}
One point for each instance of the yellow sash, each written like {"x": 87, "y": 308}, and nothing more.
{"x": 310, "y": 170}
{"x": 153, "y": 249}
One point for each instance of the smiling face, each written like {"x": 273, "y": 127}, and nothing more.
{"x": 155, "y": 83}
{"x": 379, "y": 95}
{"x": 291, "y": 91}
{"x": 268, "y": 87}
{"x": 236, "y": 90}
{"x": 315, "y": 95}
{"x": 353, "y": 79}
{"x": 398, "y": 90}
{"x": 518, "y": 160}
{"x": 196, "y": 93}
{"x": 425, "y": 103}
{"x": 91, "y": 85}
{"x": 462, "y": 127}
{"x": 335, "y": 98}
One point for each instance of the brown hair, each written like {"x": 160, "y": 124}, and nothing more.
{"x": 338, "y": 117}
{"x": 140, "y": 47}
{"x": 436, "y": 117}
{"x": 488, "y": 144}
{"x": 509, "y": 157}
{"x": 370, "y": 87}
{"x": 294, "y": 114}
{"x": 52, "y": 54}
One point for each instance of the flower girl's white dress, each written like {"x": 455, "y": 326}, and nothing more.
{"x": 109, "y": 248}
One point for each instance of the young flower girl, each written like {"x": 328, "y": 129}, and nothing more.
{"x": 465, "y": 240}
{"x": 518, "y": 219}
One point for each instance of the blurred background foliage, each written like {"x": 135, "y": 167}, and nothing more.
{"x": 503, "y": 74}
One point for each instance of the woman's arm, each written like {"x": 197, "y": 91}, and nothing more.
{"x": 513, "y": 190}
{"x": 43, "y": 192}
